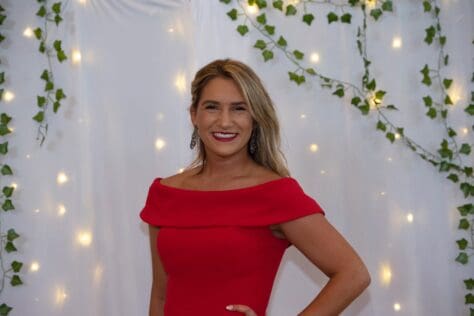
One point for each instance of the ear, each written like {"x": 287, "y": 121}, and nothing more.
{"x": 192, "y": 113}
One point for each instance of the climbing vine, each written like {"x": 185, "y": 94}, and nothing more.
{"x": 7, "y": 238}
{"x": 52, "y": 49}
{"x": 369, "y": 98}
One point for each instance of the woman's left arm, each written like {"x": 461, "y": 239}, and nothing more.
{"x": 325, "y": 247}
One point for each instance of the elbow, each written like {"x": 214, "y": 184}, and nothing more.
{"x": 363, "y": 278}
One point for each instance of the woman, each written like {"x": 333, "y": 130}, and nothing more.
{"x": 218, "y": 230}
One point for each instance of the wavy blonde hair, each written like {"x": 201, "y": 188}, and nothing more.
{"x": 266, "y": 126}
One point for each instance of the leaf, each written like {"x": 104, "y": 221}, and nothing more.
{"x": 39, "y": 117}
{"x": 267, "y": 55}
{"x": 12, "y": 235}
{"x": 61, "y": 56}
{"x": 49, "y": 86}
{"x": 365, "y": 108}
{"x": 42, "y": 47}
{"x": 5, "y": 309}
{"x": 16, "y": 266}
{"x": 430, "y": 34}
{"x": 332, "y": 17}
{"x": 371, "y": 85}
{"x": 446, "y": 60}
{"x": 470, "y": 109}
{"x": 278, "y": 5}
{"x": 462, "y": 258}
{"x": 444, "y": 113}
{"x": 290, "y": 10}
{"x": 465, "y": 149}
{"x": 381, "y": 126}
{"x": 462, "y": 243}
{"x": 447, "y": 83}
{"x": 45, "y": 75}
{"x": 225, "y": 1}
{"x": 7, "y": 205}
{"x": 466, "y": 189}
{"x": 2, "y": 77}
{"x": 379, "y": 95}
{"x": 4, "y": 130}
{"x": 261, "y": 3}
{"x": 15, "y": 281}
{"x": 232, "y": 14}
{"x": 57, "y": 45}
{"x": 242, "y": 29}
{"x": 6, "y": 170}
{"x": 353, "y": 2}
{"x": 447, "y": 100}
{"x": 376, "y": 13}
{"x": 451, "y": 132}
{"x": 10, "y": 247}
{"x": 2, "y": 18}
{"x": 339, "y": 92}
{"x": 4, "y": 148}
{"x": 426, "y": 6}
{"x": 5, "y": 119}
{"x": 308, "y": 18}
{"x": 444, "y": 166}
{"x": 346, "y": 18}
{"x": 355, "y": 101}
{"x": 469, "y": 283}
{"x": 260, "y": 44}
{"x": 56, "y": 106}
{"x": 38, "y": 33}
{"x": 282, "y": 42}
{"x": 387, "y": 6}
{"x": 56, "y": 7}
{"x": 390, "y": 136}
{"x": 60, "y": 94}
{"x": 469, "y": 298}
{"x": 270, "y": 29}
{"x": 262, "y": 19}
{"x": 391, "y": 107}
{"x": 8, "y": 191}
{"x": 466, "y": 209}
{"x": 453, "y": 177}
{"x": 442, "y": 40}
{"x": 428, "y": 100}
{"x": 298, "y": 55}
{"x": 468, "y": 171}
{"x": 57, "y": 19}
{"x": 41, "y": 12}
{"x": 311, "y": 71}
{"x": 40, "y": 101}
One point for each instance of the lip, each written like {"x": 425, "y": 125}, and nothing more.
{"x": 224, "y": 139}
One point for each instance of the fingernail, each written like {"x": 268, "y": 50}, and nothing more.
{"x": 229, "y": 307}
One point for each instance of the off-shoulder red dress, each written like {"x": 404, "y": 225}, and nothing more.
{"x": 216, "y": 246}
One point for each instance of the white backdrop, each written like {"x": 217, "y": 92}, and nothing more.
{"x": 129, "y": 93}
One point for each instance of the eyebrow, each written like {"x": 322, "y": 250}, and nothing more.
{"x": 232, "y": 103}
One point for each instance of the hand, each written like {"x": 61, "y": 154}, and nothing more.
{"x": 247, "y": 311}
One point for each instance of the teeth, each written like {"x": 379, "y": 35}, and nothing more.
{"x": 222, "y": 135}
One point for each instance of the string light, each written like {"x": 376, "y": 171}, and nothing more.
{"x": 28, "y": 32}
{"x": 180, "y": 170}
{"x": 160, "y": 116}
{"x": 28, "y": 156}
{"x": 465, "y": 130}
{"x": 385, "y": 274}
{"x": 170, "y": 30}
{"x": 389, "y": 159}
{"x": 36, "y": 211}
{"x": 61, "y": 210}
{"x": 382, "y": 193}
{"x": 397, "y": 307}
{"x": 160, "y": 144}
{"x": 397, "y": 136}
{"x": 84, "y": 238}
{"x": 397, "y": 42}
{"x": 303, "y": 116}
{"x": 371, "y": 3}
{"x": 410, "y": 218}
{"x": 76, "y": 56}
{"x": 60, "y": 295}
{"x": 61, "y": 178}
{"x": 251, "y": 9}
{"x": 313, "y": 147}
{"x": 14, "y": 185}
{"x": 8, "y": 96}
{"x": 314, "y": 58}
{"x": 34, "y": 266}
{"x": 323, "y": 172}
{"x": 82, "y": 1}
{"x": 180, "y": 82}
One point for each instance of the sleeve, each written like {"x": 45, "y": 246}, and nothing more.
{"x": 149, "y": 212}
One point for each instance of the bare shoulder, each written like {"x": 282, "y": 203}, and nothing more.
{"x": 263, "y": 175}
{"x": 178, "y": 180}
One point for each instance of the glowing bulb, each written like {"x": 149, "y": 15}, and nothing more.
{"x": 61, "y": 210}
{"x": 160, "y": 116}
{"x": 397, "y": 42}
{"x": 294, "y": 2}
{"x": 410, "y": 218}
{"x": 252, "y": 9}
{"x": 82, "y": 1}
{"x": 170, "y": 30}
{"x": 14, "y": 185}
{"x": 465, "y": 130}
{"x": 385, "y": 274}
{"x": 28, "y": 32}
{"x": 323, "y": 172}
{"x": 371, "y": 3}
{"x": 397, "y": 136}
{"x": 314, "y": 58}
{"x": 76, "y": 56}
{"x": 84, "y": 238}
{"x": 382, "y": 193}
{"x": 160, "y": 144}
{"x": 61, "y": 178}
{"x": 389, "y": 159}
{"x": 313, "y": 147}
{"x": 28, "y": 156}
{"x": 303, "y": 116}
{"x": 8, "y": 96}
{"x": 397, "y": 307}
{"x": 34, "y": 266}
{"x": 180, "y": 83}
{"x": 36, "y": 210}
{"x": 180, "y": 170}
{"x": 60, "y": 295}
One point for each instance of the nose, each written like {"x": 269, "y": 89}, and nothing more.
{"x": 225, "y": 119}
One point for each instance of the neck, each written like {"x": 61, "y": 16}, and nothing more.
{"x": 227, "y": 167}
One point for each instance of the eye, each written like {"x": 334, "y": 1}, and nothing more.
{"x": 240, "y": 108}
{"x": 210, "y": 106}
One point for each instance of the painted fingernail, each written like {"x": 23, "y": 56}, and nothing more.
{"x": 229, "y": 307}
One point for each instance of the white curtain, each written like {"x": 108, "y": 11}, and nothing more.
{"x": 125, "y": 122}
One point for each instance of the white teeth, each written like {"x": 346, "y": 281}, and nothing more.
{"x": 222, "y": 135}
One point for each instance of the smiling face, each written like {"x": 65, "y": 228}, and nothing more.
{"x": 223, "y": 119}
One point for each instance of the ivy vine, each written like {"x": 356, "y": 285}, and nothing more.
{"x": 52, "y": 49}
{"x": 366, "y": 97}
{"x": 7, "y": 238}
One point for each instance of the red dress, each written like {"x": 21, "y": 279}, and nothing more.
{"x": 216, "y": 246}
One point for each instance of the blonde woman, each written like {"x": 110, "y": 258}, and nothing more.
{"x": 218, "y": 230}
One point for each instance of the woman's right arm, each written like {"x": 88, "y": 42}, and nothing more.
{"x": 158, "y": 288}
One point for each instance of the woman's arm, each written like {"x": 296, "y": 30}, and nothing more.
{"x": 320, "y": 242}
{"x": 158, "y": 288}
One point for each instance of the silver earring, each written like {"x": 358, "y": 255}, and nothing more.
{"x": 253, "y": 143}
{"x": 194, "y": 138}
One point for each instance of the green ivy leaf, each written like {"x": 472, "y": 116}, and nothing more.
{"x": 57, "y": 45}
{"x": 16, "y": 266}
{"x": 346, "y": 18}
{"x": 5, "y": 309}
{"x": 39, "y": 117}
{"x": 5, "y": 119}
{"x": 453, "y": 177}
{"x": 262, "y": 19}
{"x": 42, "y": 47}
{"x": 469, "y": 298}
{"x": 225, "y": 1}
{"x": 462, "y": 243}
{"x": 60, "y": 94}
{"x": 232, "y": 14}
{"x": 332, "y": 17}
{"x": 311, "y": 71}
{"x": 40, "y": 101}
{"x": 444, "y": 166}
{"x": 462, "y": 258}
{"x": 468, "y": 171}
{"x": 451, "y": 132}
{"x": 260, "y": 44}
{"x": 387, "y": 6}
{"x": 428, "y": 100}
{"x": 10, "y": 247}
{"x": 261, "y": 3}
{"x": 278, "y": 5}
{"x": 371, "y": 85}
{"x": 41, "y": 12}
{"x": 430, "y": 34}
{"x": 353, "y": 2}
{"x": 56, "y": 106}
{"x": 8, "y": 191}
{"x": 4, "y": 148}
{"x": 6, "y": 170}
{"x": 442, "y": 40}
{"x": 447, "y": 100}
{"x": 290, "y": 10}
{"x": 379, "y": 95}
{"x": 391, "y": 107}
{"x": 2, "y": 77}
{"x": 270, "y": 29}
{"x": 444, "y": 113}
{"x": 4, "y": 130}
{"x": 469, "y": 284}
{"x": 376, "y": 13}
{"x": 298, "y": 55}
{"x": 56, "y": 7}
{"x": 49, "y": 86}
{"x": 7, "y": 205}
{"x": 2, "y": 18}
{"x": 38, "y": 33}
{"x": 267, "y": 55}
{"x": 16, "y": 280}
{"x": 470, "y": 109}
{"x": 61, "y": 56}
{"x": 390, "y": 136}
{"x": 57, "y": 19}
{"x": 466, "y": 209}
{"x": 355, "y": 101}
{"x": 381, "y": 126}
{"x": 465, "y": 149}
{"x": 426, "y": 6}
{"x": 364, "y": 109}
{"x": 12, "y": 235}
{"x": 45, "y": 75}
{"x": 242, "y": 29}
{"x": 339, "y": 92}
{"x": 446, "y": 60}
{"x": 466, "y": 189}
{"x": 447, "y": 83}
{"x": 282, "y": 42}
{"x": 308, "y": 18}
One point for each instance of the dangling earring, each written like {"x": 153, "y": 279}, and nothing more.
{"x": 194, "y": 138}
{"x": 253, "y": 142}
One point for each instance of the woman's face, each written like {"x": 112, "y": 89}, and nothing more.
{"x": 223, "y": 119}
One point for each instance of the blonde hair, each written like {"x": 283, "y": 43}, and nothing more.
{"x": 266, "y": 126}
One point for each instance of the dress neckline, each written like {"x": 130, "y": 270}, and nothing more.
{"x": 243, "y": 189}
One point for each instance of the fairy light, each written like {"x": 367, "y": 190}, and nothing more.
{"x": 180, "y": 83}
{"x": 371, "y": 3}
{"x": 8, "y": 96}
{"x": 397, "y": 136}
{"x": 389, "y": 159}
{"x": 465, "y": 130}
{"x": 14, "y": 185}
{"x": 76, "y": 56}
{"x": 410, "y": 218}
{"x": 313, "y": 147}
{"x": 303, "y": 116}
{"x": 34, "y": 266}
{"x": 84, "y": 238}
{"x": 397, "y": 42}
{"x": 382, "y": 193}
{"x": 170, "y": 30}
{"x": 323, "y": 172}
{"x": 160, "y": 144}
{"x": 28, "y": 156}
{"x": 181, "y": 170}
{"x": 251, "y": 9}
{"x": 28, "y": 32}
{"x": 385, "y": 274}
{"x": 61, "y": 210}
{"x": 60, "y": 295}
{"x": 314, "y": 57}
{"x": 397, "y": 307}
{"x": 160, "y": 116}
{"x": 61, "y": 178}
{"x": 36, "y": 211}
{"x": 82, "y": 1}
